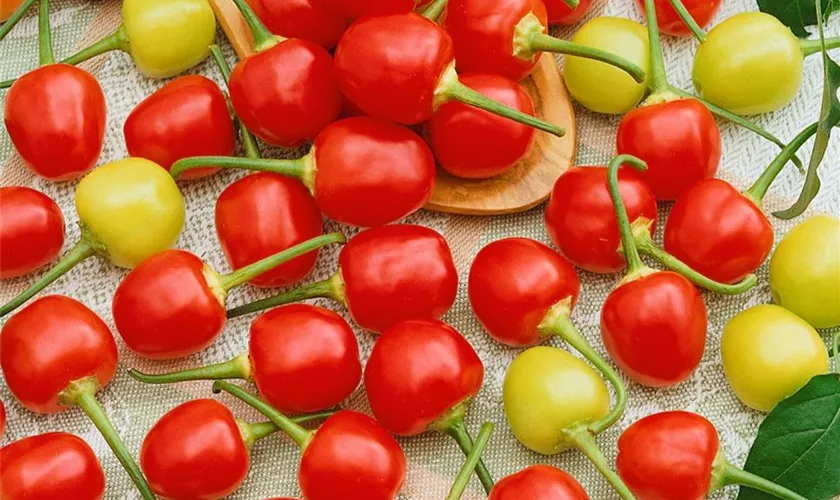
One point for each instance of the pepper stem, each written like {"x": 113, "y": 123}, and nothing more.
{"x": 254, "y": 431}
{"x": 628, "y": 244}
{"x": 45, "y": 49}
{"x": 585, "y": 442}
{"x": 80, "y": 251}
{"x": 734, "y": 475}
{"x": 82, "y": 393}
{"x": 688, "y": 20}
{"x": 252, "y": 150}
{"x": 300, "y": 168}
{"x": 450, "y": 89}
{"x": 473, "y": 458}
{"x": 238, "y": 368}
{"x": 658, "y": 78}
{"x": 251, "y": 271}
{"x": 117, "y": 40}
{"x": 434, "y": 10}
{"x": 263, "y": 38}
{"x": 298, "y": 434}
{"x": 332, "y": 287}
{"x": 15, "y": 18}
{"x": 759, "y": 188}
{"x": 452, "y": 424}
{"x": 557, "y": 322}
{"x": 810, "y": 47}
{"x": 546, "y": 43}
{"x": 648, "y": 247}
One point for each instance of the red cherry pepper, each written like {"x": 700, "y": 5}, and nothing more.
{"x": 362, "y": 171}
{"x": 286, "y": 92}
{"x": 49, "y": 466}
{"x": 474, "y": 144}
{"x": 559, "y": 13}
{"x": 312, "y": 20}
{"x": 539, "y": 481}
{"x": 671, "y": 22}
{"x": 199, "y": 450}
{"x": 31, "y": 230}
{"x": 721, "y": 232}
{"x": 654, "y": 323}
{"x": 56, "y": 353}
{"x": 302, "y": 358}
{"x": 356, "y": 9}
{"x": 401, "y": 68}
{"x": 421, "y": 375}
{"x": 187, "y": 117}
{"x": 507, "y": 37}
{"x": 385, "y": 275}
{"x": 350, "y": 456}
{"x": 677, "y": 455}
{"x": 172, "y": 304}
{"x": 55, "y": 115}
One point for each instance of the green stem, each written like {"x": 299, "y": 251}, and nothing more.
{"x": 734, "y": 475}
{"x": 434, "y": 10}
{"x": 238, "y": 368}
{"x": 251, "y": 271}
{"x": 298, "y": 434}
{"x": 585, "y": 442}
{"x": 810, "y": 47}
{"x": 81, "y": 251}
{"x": 45, "y": 49}
{"x": 263, "y": 38}
{"x": 658, "y": 78}
{"x": 82, "y": 393}
{"x": 451, "y": 89}
{"x": 648, "y": 247}
{"x": 557, "y": 322}
{"x": 332, "y": 288}
{"x": 688, "y": 20}
{"x": 473, "y": 458}
{"x": 254, "y": 431}
{"x": 301, "y": 168}
{"x": 117, "y": 40}
{"x": 542, "y": 42}
{"x": 15, "y": 18}
{"x": 759, "y": 188}
{"x": 628, "y": 244}
{"x": 252, "y": 150}
{"x": 456, "y": 429}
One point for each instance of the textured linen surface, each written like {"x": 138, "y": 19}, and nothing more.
{"x": 433, "y": 459}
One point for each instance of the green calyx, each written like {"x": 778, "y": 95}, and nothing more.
{"x": 263, "y": 38}
{"x": 452, "y": 424}
{"x": 303, "y": 169}
{"x": 332, "y": 288}
{"x": 254, "y": 431}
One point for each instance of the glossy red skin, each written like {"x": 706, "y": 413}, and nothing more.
{"x": 286, "y": 94}
{"x": 312, "y": 20}
{"x": 513, "y": 283}
{"x": 397, "y": 272}
{"x": 718, "y": 231}
{"x": 55, "y": 116}
{"x": 355, "y": 9}
{"x": 668, "y": 456}
{"x": 371, "y": 172}
{"x": 262, "y": 214}
{"x": 165, "y": 309}
{"x": 2, "y": 419}
{"x": 31, "y": 230}
{"x": 396, "y": 84}
{"x": 187, "y": 117}
{"x": 304, "y": 358}
{"x": 538, "y": 481}
{"x": 195, "y": 451}
{"x": 482, "y": 34}
{"x": 669, "y": 21}
{"x": 474, "y": 144}
{"x": 351, "y": 457}
{"x": 50, "y": 466}
{"x": 654, "y": 328}
{"x": 417, "y": 371}
{"x": 559, "y": 13}
{"x": 580, "y": 217}
{"x": 679, "y": 140}
{"x": 49, "y": 343}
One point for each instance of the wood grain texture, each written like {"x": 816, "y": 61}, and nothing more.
{"x": 524, "y": 186}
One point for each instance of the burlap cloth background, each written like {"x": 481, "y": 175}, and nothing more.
{"x": 433, "y": 459}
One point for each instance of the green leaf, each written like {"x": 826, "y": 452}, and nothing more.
{"x": 797, "y": 14}
{"x": 798, "y": 444}
{"x": 829, "y": 118}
